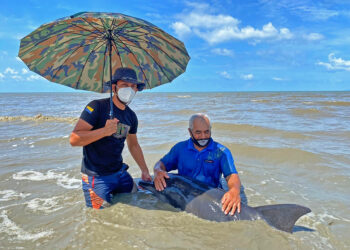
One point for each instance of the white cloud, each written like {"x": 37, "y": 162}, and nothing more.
{"x": 306, "y": 9}
{"x": 225, "y": 74}
{"x": 335, "y": 63}
{"x": 220, "y": 28}
{"x": 197, "y": 5}
{"x": 181, "y": 29}
{"x": 313, "y": 36}
{"x": 200, "y": 20}
{"x": 24, "y": 71}
{"x": 18, "y": 59}
{"x": 277, "y": 79}
{"x": 222, "y": 52}
{"x": 11, "y": 71}
{"x": 2, "y": 76}
{"x": 33, "y": 77}
{"x": 16, "y": 77}
{"x": 247, "y": 77}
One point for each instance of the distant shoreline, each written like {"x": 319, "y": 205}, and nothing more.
{"x": 181, "y": 92}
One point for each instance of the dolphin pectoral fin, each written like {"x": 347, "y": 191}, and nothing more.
{"x": 282, "y": 216}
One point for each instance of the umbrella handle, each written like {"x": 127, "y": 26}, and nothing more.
{"x": 111, "y": 116}
{"x": 111, "y": 104}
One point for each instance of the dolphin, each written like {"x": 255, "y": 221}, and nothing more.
{"x": 203, "y": 201}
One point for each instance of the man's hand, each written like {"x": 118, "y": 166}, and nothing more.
{"x": 111, "y": 126}
{"x": 231, "y": 201}
{"x": 159, "y": 179}
{"x": 145, "y": 176}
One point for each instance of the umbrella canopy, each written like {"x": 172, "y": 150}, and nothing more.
{"x": 82, "y": 51}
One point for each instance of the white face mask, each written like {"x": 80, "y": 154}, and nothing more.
{"x": 126, "y": 94}
{"x": 203, "y": 142}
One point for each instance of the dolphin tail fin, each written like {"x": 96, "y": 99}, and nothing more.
{"x": 283, "y": 216}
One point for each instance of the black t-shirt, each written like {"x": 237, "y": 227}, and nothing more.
{"x": 104, "y": 157}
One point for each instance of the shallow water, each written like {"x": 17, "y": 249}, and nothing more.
{"x": 289, "y": 147}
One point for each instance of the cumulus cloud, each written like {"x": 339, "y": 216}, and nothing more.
{"x": 335, "y": 63}
{"x": 11, "y": 71}
{"x": 247, "y": 77}
{"x": 16, "y": 77}
{"x": 226, "y": 75}
{"x": 221, "y": 28}
{"x": 33, "y": 77}
{"x": 222, "y": 52}
{"x": 313, "y": 36}
{"x": 181, "y": 29}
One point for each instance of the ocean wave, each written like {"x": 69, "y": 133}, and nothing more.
{"x": 265, "y": 101}
{"x": 292, "y": 156}
{"x": 334, "y": 103}
{"x": 309, "y": 112}
{"x": 185, "y": 112}
{"x": 9, "y": 227}
{"x": 62, "y": 179}
{"x": 256, "y": 130}
{"x": 39, "y": 118}
{"x": 7, "y": 195}
{"x": 35, "y": 140}
{"x": 46, "y": 205}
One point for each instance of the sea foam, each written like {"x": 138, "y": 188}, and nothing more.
{"x": 62, "y": 179}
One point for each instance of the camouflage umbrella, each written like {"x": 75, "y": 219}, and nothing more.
{"x": 82, "y": 51}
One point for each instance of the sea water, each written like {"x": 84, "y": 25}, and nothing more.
{"x": 288, "y": 147}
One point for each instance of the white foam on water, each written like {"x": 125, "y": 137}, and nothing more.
{"x": 328, "y": 218}
{"x": 46, "y": 205}
{"x": 9, "y": 227}
{"x": 321, "y": 239}
{"x": 62, "y": 179}
{"x": 7, "y": 195}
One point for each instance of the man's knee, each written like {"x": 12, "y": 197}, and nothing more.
{"x": 126, "y": 183}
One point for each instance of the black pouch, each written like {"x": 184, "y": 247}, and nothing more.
{"x": 124, "y": 167}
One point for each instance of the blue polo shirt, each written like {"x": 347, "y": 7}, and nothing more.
{"x": 205, "y": 166}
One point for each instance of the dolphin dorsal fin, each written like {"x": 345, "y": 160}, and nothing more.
{"x": 282, "y": 216}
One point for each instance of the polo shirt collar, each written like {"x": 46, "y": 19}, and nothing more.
{"x": 210, "y": 146}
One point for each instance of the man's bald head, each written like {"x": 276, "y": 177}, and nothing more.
{"x": 199, "y": 117}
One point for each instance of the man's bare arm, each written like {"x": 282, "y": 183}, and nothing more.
{"x": 82, "y": 134}
{"x": 232, "y": 199}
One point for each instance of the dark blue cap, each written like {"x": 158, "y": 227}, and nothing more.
{"x": 128, "y": 75}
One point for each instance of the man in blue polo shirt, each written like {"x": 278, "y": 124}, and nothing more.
{"x": 203, "y": 159}
{"x": 102, "y": 138}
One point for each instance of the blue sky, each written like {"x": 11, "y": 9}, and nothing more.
{"x": 261, "y": 45}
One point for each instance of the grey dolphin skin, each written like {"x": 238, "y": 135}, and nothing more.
{"x": 205, "y": 202}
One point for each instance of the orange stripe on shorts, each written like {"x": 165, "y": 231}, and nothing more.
{"x": 85, "y": 178}
{"x": 96, "y": 200}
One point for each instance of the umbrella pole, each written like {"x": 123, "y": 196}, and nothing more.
{"x": 110, "y": 74}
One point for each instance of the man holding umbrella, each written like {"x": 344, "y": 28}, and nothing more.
{"x": 102, "y": 138}
{"x": 82, "y": 51}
